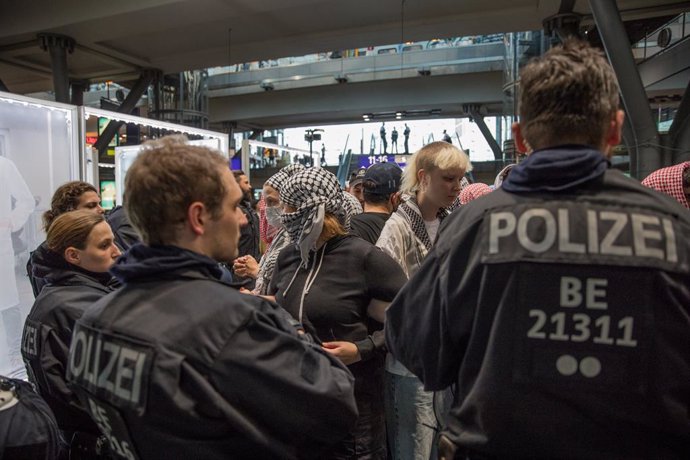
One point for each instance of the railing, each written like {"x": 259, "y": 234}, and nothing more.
{"x": 358, "y": 52}
{"x": 667, "y": 35}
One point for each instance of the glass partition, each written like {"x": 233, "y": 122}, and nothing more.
{"x": 39, "y": 151}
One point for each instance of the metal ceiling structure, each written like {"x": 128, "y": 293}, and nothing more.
{"x": 115, "y": 41}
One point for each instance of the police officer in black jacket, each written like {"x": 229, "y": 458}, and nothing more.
{"x": 178, "y": 364}
{"x": 80, "y": 250}
{"x": 558, "y": 304}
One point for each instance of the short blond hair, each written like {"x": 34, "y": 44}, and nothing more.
{"x": 437, "y": 155}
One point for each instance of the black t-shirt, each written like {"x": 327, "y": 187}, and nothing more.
{"x": 351, "y": 273}
{"x": 368, "y": 225}
{"x": 249, "y": 234}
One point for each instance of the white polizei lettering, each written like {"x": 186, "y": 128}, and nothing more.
{"x": 30, "y": 340}
{"x": 592, "y": 233}
{"x": 596, "y": 293}
{"x": 96, "y": 360}
{"x": 138, "y": 372}
{"x": 77, "y": 359}
{"x": 103, "y": 381}
{"x": 549, "y": 233}
{"x": 671, "y": 250}
{"x": 571, "y": 289}
{"x": 642, "y": 234}
{"x": 89, "y": 372}
{"x": 124, "y": 373}
{"x": 119, "y": 370}
{"x": 564, "y": 243}
{"x": 607, "y": 244}
{"x": 497, "y": 231}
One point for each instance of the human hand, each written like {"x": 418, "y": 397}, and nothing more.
{"x": 246, "y": 266}
{"x": 347, "y": 352}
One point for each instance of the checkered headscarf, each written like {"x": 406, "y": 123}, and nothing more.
{"x": 669, "y": 181}
{"x": 314, "y": 192}
{"x": 352, "y": 204}
{"x": 473, "y": 191}
{"x": 278, "y": 179}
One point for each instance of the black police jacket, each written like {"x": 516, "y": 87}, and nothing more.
{"x": 560, "y": 306}
{"x": 48, "y": 332}
{"x": 178, "y": 364}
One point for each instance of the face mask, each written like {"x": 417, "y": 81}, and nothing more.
{"x": 273, "y": 216}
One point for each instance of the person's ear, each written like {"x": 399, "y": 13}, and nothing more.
{"x": 421, "y": 178}
{"x": 72, "y": 255}
{"x": 197, "y": 217}
{"x": 614, "y": 134}
{"x": 521, "y": 144}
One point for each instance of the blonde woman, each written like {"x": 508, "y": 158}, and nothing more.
{"x": 430, "y": 184}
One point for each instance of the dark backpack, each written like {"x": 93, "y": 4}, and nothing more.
{"x": 28, "y": 429}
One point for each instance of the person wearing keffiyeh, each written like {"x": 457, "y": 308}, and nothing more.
{"x": 432, "y": 182}
{"x": 248, "y": 266}
{"x": 338, "y": 286}
{"x": 673, "y": 181}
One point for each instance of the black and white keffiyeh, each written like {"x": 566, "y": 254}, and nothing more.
{"x": 278, "y": 179}
{"x": 352, "y": 204}
{"x": 409, "y": 210}
{"x": 313, "y": 192}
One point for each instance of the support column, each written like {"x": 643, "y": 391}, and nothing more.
{"x": 58, "y": 46}
{"x": 617, "y": 46}
{"x": 478, "y": 118}
{"x": 126, "y": 107}
{"x": 631, "y": 143}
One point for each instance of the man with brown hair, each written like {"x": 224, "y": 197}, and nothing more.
{"x": 178, "y": 364}
{"x": 558, "y": 304}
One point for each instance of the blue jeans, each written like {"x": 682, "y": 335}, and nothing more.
{"x": 411, "y": 424}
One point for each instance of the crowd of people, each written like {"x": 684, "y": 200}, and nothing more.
{"x": 411, "y": 316}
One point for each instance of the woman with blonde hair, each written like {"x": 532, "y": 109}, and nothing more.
{"x": 338, "y": 286}
{"x": 80, "y": 249}
{"x": 430, "y": 184}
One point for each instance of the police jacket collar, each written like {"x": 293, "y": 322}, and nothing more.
{"x": 142, "y": 262}
{"x": 557, "y": 169}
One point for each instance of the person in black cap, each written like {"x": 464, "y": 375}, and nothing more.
{"x": 355, "y": 185}
{"x": 381, "y": 198}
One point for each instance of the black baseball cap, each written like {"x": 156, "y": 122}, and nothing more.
{"x": 357, "y": 176}
{"x": 382, "y": 178}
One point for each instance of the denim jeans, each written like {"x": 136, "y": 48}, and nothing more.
{"x": 410, "y": 419}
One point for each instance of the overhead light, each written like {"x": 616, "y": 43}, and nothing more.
{"x": 398, "y": 115}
